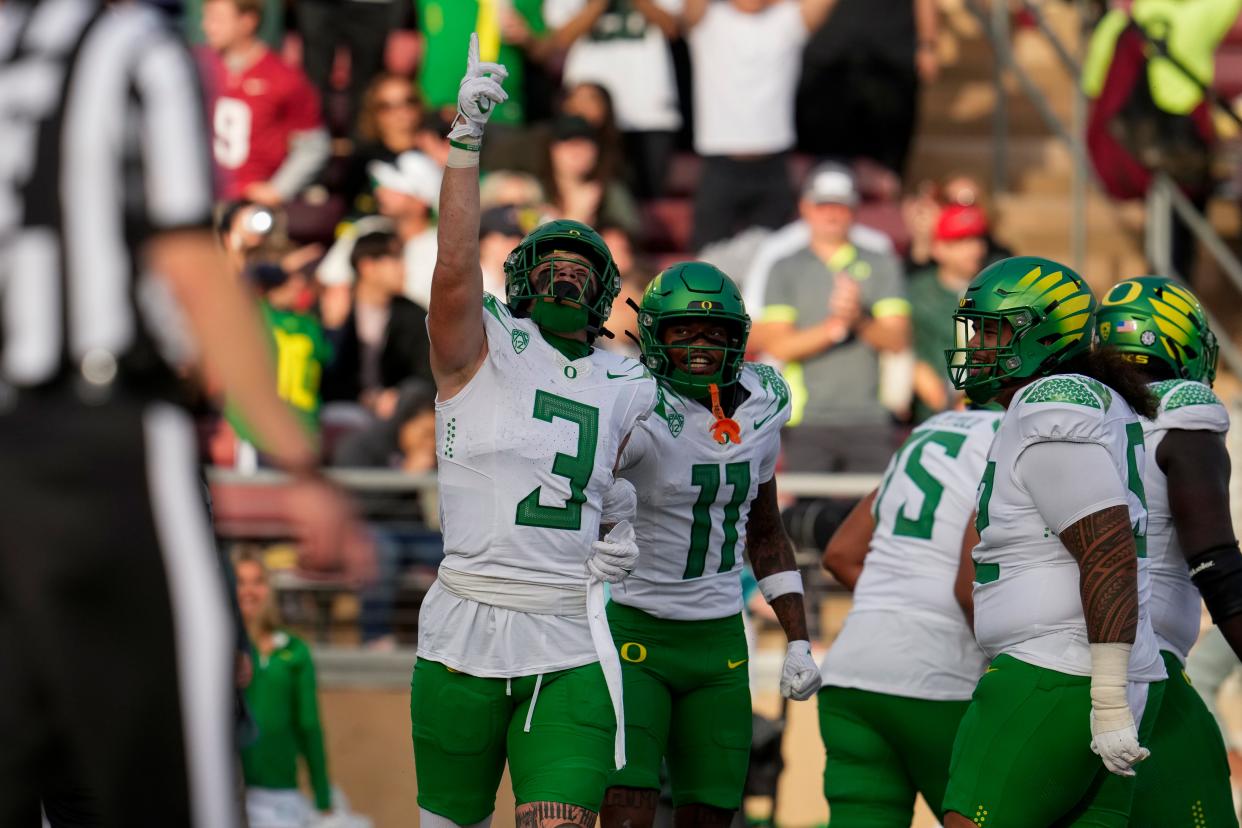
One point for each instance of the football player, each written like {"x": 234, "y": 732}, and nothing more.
{"x": 530, "y": 420}
{"x": 704, "y": 470}
{"x": 1191, "y": 549}
{"x": 1060, "y": 590}
{"x": 898, "y": 678}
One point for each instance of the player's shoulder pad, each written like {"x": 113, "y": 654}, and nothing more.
{"x": 1067, "y": 407}
{"x": 772, "y": 392}
{"x": 1189, "y": 405}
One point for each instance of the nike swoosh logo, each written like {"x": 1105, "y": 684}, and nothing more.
{"x": 611, "y": 375}
{"x": 759, "y": 423}
{"x": 733, "y": 665}
{"x": 990, "y": 670}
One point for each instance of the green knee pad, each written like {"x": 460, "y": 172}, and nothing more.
{"x": 687, "y": 700}
{"x": 465, "y": 728}
{"x": 1185, "y": 781}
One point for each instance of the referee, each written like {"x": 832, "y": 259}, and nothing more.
{"x": 115, "y": 646}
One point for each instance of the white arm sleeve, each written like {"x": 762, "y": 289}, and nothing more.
{"x": 1068, "y": 481}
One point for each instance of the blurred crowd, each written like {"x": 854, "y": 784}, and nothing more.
{"x": 768, "y": 137}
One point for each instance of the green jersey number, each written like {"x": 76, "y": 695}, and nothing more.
{"x": 706, "y": 478}
{"x": 576, "y": 468}
{"x": 985, "y": 497}
{"x": 924, "y": 523}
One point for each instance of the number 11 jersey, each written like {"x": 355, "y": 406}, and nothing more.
{"x": 694, "y": 497}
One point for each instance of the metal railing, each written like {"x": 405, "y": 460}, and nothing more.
{"x": 1165, "y": 201}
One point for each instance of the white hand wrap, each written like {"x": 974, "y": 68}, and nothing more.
{"x": 780, "y": 583}
{"x": 613, "y": 558}
{"x": 799, "y": 674}
{"x": 1114, "y": 736}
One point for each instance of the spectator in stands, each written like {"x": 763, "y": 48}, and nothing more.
{"x": 383, "y": 340}
{"x": 624, "y": 48}
{"x": 283, "y": 700}
{"x": 593, "y": 104}
{"x": 744, "y": 82}
{"x": 269, "y": 141}
{"x": 508, "y": 188}
{"x": 579, "y": 188}
{"x": 298, "y": 343}
{"x": 362, "y": 27}
{"x": 244, "y": 227}
{"x": 829, "y": 310}
{"x": 795, "y": 236}
{"x": 271, "y": 30}
{"x": 408, "y": 193}
{"x": 635, "y": 276}
{"x": 407, "y": 441}
{"x": 871, "y": 59}
{"x": 500, "y": 230}
{"x": 959, "y": 251}
{"x": 922, "y": 209}
{"x": 389, "y": 123}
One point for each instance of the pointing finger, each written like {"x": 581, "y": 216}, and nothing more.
{"x": 472, "y": 56}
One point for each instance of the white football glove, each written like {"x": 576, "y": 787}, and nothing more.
{"x": 799, "y": 674}
{"x": 614, "y": 557}
{"x": 1114, "y": 738}
{"x": 478, "y": 96}
{"x": 620, "y": 502}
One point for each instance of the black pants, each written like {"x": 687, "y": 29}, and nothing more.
{"x": 362, "y": 27}
{"x": 649, "y": 154}
{"x": 735, "y": 194}
{"x": 115, "y": 642}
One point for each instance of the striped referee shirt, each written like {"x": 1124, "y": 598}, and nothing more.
{"x": 103, "y": 144}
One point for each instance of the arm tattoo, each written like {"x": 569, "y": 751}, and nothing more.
{"x": 770, "y": 551}
{"x": 554, "y": 815}
{"x": 1103, "y": 545}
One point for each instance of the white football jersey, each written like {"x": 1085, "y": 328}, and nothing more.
{"x": 1175, "y": 602}
{"x": 694, "y": 497}
{"x": 526, "y": 452}
{"x": 1027, "y": 601}
{"x": 905, "y": 634}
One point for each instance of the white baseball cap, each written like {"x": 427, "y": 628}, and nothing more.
{"x": 831, "y": 183}
{"x": 414, "y": 174}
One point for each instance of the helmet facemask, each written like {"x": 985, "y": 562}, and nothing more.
{"x": 563, "y": 284}
{"x": 986, "y": 350}
{"x": 723, "y": 354}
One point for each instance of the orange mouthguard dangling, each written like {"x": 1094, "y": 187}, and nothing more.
{"x": 725, "y": 430}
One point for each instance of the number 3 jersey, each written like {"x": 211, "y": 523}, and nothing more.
{"x": 1026, "y": 591}
{"x": 905, "y": 634}
{"x": 526, "y": 451}
{"x": 1175, "y": 603}
{"x": 694, "y": 497}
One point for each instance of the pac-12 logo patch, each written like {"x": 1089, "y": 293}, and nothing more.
{"x": 520, "y": 340}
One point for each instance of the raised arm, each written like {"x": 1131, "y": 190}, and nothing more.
{"x": 772, "y": 558}
{"x": 848, "y": 546}
{"x": 658, "y": 17}
{"x": 455, "y": 318}
{"x": 1197, "y": 466}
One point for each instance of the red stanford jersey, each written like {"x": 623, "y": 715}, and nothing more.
{"x": 252, "y": 116}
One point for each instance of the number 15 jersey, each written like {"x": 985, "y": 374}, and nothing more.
{"x": 694, "y": 497}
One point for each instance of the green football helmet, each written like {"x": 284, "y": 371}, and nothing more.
{"x": 1048, "y": 311}
{"x": 568, "y": 309}
{"x": 1154, "y": 319}
{"x": 692, "y": 290}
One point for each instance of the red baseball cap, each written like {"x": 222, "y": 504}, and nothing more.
{"x": 961, "y": 222}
